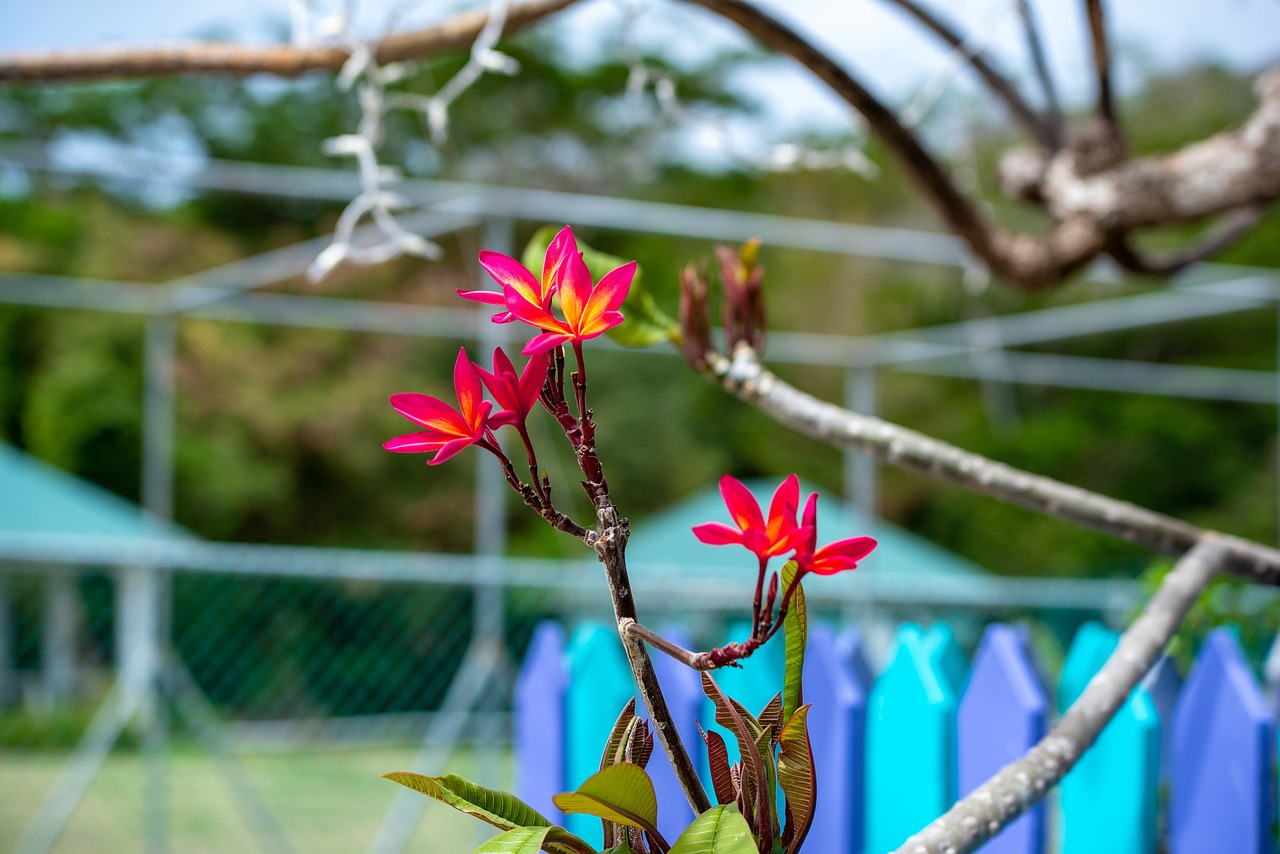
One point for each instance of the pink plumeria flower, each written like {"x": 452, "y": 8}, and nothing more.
{"x": 589, "y": 309}
{"x": 510, "y": 273}
{"x": 833, "y": 557}
{"x": 515, "y": 394}
{"x": 448, "y": 430}
{"x": 766, "y": 539}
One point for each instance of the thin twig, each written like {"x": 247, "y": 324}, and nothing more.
{"x": 907, "y": 449}
{"x": 995, "y": 81}
{"x": 457, "y": 33}
{"x": 1106, "y": 106}
{"x": 1234, "y": 225}
{"x": 1057, "y": 125}
{"x": 1024, "y": 783}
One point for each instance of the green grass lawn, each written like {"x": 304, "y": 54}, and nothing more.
{"x": 325, "y": 800}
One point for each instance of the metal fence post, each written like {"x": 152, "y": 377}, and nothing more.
{"x": 861, "y": 472}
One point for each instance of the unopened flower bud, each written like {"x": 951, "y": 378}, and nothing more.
{"x": 744, "y": 313}
{"x": 695, "y": 319}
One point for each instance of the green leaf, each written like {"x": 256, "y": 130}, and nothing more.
{"x": 719, "y": 830}
{"x": 797, "y": 778}
{"x": 520, "y": 840}
{"x": 620, "y": 793}
{"x": 796, "y": 628}
{"x": 501, "y": 809}
{"x": 645, "y": 323}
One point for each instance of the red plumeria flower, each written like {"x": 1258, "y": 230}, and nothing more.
{"x": 589, "y": 309}
{"x": 448, "y": 430}
{"x": 780, "y": 534}
{"x": 510, "y": 273}
{"x": 515, "y": 394}
{"x": 833, "y": 557}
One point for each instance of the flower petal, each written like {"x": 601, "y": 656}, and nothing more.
{"x": 534, "y": 315}
{"x": 782, "y": 510}
{"x": 449, "y": 449}
{"x": 853, "y": 549}
{"x": 612, "y": 290}
{"x": 741, "y": 503}
{"x": 466, "y": 382}
{"x": 717, "y": 534}
{"x": 563, "y": 247}
{"x": 510, "y": 273}
{"x": 430, "y": 412}
{"x": 533, "y": 379}
{"x": 575, "y": 290}
{"x": 486, "y": 297}
{"x": 546, "y": 341}
{"x": 415, "y": 443}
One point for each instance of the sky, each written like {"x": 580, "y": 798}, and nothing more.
{"x": 869, "y": 36}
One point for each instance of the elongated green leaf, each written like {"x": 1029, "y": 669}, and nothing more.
{"x": 520, "y": 840}
{"x": 719, "y": 830}
{"x": 796, "y": 628}
{"x": 756, "y": 779}
{"x": 501, "y": 809}
{"x": 797, "y": 777}
{"x": 645, "y": 323}
{"x": 620, "y": 793}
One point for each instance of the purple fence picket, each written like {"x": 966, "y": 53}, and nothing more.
{"x": 1164, "y": 683}
{"x": 837, "y": 725}
{"x": 539, "y": 721}
{"x": 851, "y": 648}
{"x": 1001, "y": 716}
{"x": 682, "y": 688}
{"x": 1222, "y": 748}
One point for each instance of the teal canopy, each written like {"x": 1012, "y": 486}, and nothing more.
{"x": 38, "y": 498}
{"x": 664, "y": 543}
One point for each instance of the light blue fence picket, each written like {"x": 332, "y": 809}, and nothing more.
{"x": 1221, "y": 780}
{"x": 539, "y": 720}
{"x": 837, "y": 723}
{"x": 1109, "y": 800}
{"x": 683, "y": 689}
{"x": 911, "y": 728}
{"x": 1002, "y": 714}
{"x": 600, "y": 685}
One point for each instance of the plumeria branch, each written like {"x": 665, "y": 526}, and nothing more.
{"x": 744, "y": 376}
{"x": 457, "y": 33}
{"x": 1024, "y": 783}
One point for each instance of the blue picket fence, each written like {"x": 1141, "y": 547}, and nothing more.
{"x": 898, "y": 749}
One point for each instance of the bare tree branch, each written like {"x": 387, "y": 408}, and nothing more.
{"x": 1233, "y": 226}
{"x": 1021, "y": 785}
{"x": 995, "y": 81}
{"x": 458, "y": 33}
{"x": 1030, "y": 260}
{"x": 1106, "y": 107}
{"x": 1057, "y": 125}
{"x": 907, "y": 449}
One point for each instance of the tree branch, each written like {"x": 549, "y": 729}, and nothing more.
{"x": 1106, "y": 107}
{"x": 457, "y": 33}
{"x": 1024, "y": 783}
{"x": 1057, "y": 125}
{"x": 1033, "y": 261}
{"x": 611, "y": 546}
{"x": 907, "y": 449}
{"x": 995, "y": 81}
{"x": 1233, "y": 226}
